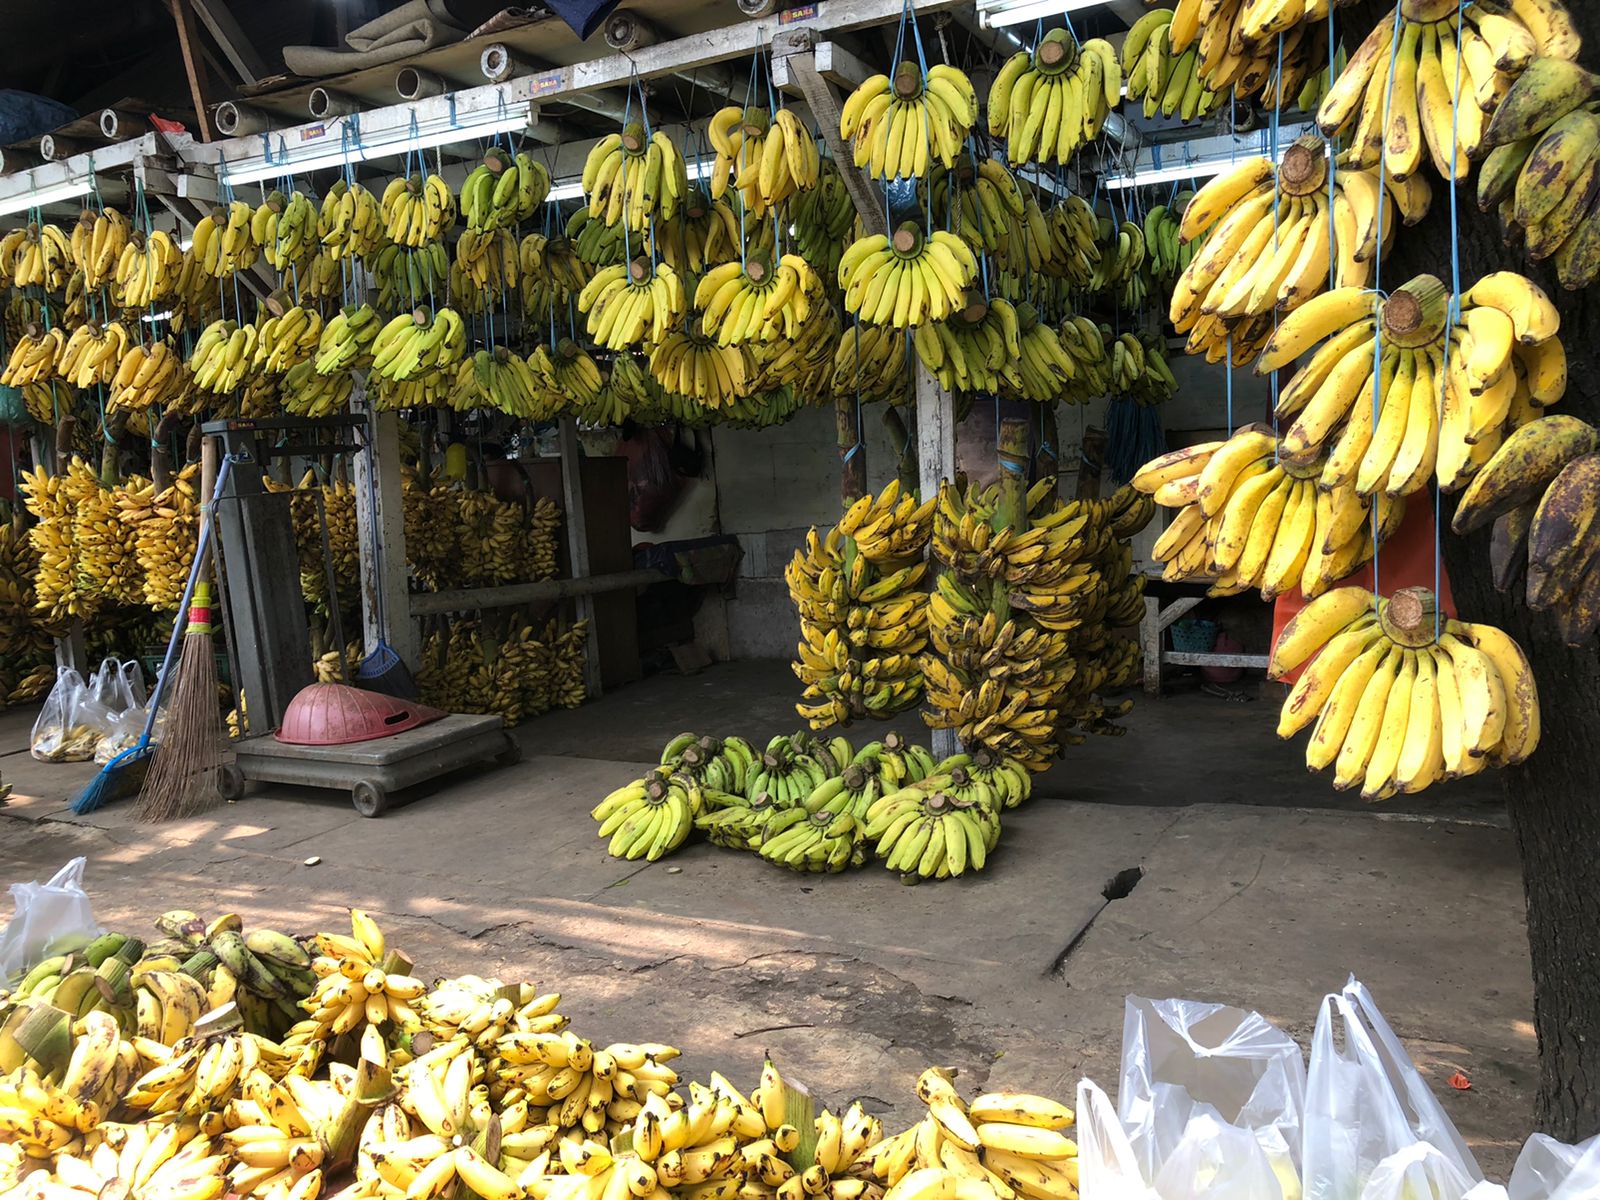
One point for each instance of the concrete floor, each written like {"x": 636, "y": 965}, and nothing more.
{"x": 1260, "y": 887}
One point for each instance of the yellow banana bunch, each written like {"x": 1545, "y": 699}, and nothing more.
{"x": 195, "y": 297}
{"x": 417, "y": 210}
{"x": 34, "y": 357}
{"x": 871, "y": 361}
{"x": 284, "y": 341}
{"x": 499, "y": 379}
{"x": 1267, "y": 238}
{"x": 428, "y": 389}
{"x": 223, "y": 243}
{"x": 353, "y": 987}
{"x": 690, "y": 364}
{"x": 285, "y": 227}
{"x": 152, "y": 374}
{"x": 551, "y": 272}
{"x": 901, "y": 127}
{"x": 1046, "y": 371}
{"x": 502, "y": 190}
{"x": 489, "y": 261}
{"x": 416, "y": 343}
{"x": 346, "y": 340}
{"x": 98, "y": 240}
{"x": 223, "y": 356}
{"x": 1240, "y": 44}
{"x": 36, "y": 256}
{"x": 768, "y": 156}
{"x": 758, "y": 299}
{"x": 977, "y": 349}
{"x": 570, "y": 375}
{"x": 92, "y": 354}
{"x": 147, "y": 269}
{"x": 1403, "y": 696}
{"x": 166, "y": 524}
{"x": 634, "y": 179}
{"x": 981, "y": 201}
{"x": 632, "y": 305}
{"x": 350, "y": 221}
{"x": 908, "y": 279}
{"x": 1051, "y": 100}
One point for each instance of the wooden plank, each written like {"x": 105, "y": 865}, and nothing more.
{"x": 214, "y": 15}
{"x": 578, "y": 547}
{"x": 795, "y": 60}
{"x": 189, "y": 45}
{"x": 936, "y": 462}
{"x": 381, "y": 532}
{"x": 1175, "y": 610}
{"x": 542, "y": 591}
{"x": 1150, "y": 643}
{"x": 1183, "y": 658}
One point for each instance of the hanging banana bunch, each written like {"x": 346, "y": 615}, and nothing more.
{"x": 901, "y": 127}
{"x": 1085, "y": 344}
{"x": 690, "y": 363}
{"x": 223, "y": 356}
{"x": 551, "y": 272}
{"x": 980, "y": 202}
{"x": 417, "y": 343}
{"x": 196, "y": 299}
{"x": 307, "y": 393}
{"x": 570, "y": 376}
{"x": 823, "y": 218}
{"x": 702, "y": 233}
{"x": 36, "y": 256}
{"x": 34, "y": 357}
{"x": 428, "y": 389}
{"x": 1049, "y": 101}
{"x": 977, "y": 349}
{"x": 1167, "y": 253}
{"x": 153, "y": 374}
{"x": 907, "y": 279}
{"x": 803, "y": 362}
{"x": 628, "y": 306}
{"x": 417, "y": 210}
{"x": 1168, "y": 83}
{"x": 285, "y": 227}
{"x": 147, "y": 269}
{"x": 285, "y": 341}
{"x": 871, "y": 361}
{"x": 1240, "y": 44}
{"x": 756, "y": 299}
{"x": 222, "y": 244}
{"x": 93, "y": 353}
{"x": 1045, "y": 371}
{"x": 350, "y": 222}
{"x": 406, "y": 276}
{"x": 633, "y": 178}
{"x": 488, "y": 262}
{"x": 502, "y": 190}
{"x": 98, "y": 240}
{"x": 498, "y": 379}
{"x": 768, "y": 156}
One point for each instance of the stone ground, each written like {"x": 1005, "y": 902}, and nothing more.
{"x": 1260, "y": 886}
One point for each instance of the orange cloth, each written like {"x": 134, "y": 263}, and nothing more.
{"x": 1405, "y": 560}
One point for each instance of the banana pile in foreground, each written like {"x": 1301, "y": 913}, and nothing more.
{"x": 1249, "y": 518}
{"x": 1542, "y": 491}
{"x": 1402, "y": 696}
{"x": 863, "y": 619}
{"x": 819, "y": 805}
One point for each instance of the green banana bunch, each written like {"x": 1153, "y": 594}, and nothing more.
{"x": 502, "y": 190}
{"x": 1167, "y": 81}
{"x": 649, "y": 817}
{"x": 821, "y": 841}
{"x": 931, "y": 831}
{"x": 407, "y": 276}
{"x": 823, "y": 219}
{"x": 1167, "y": 254}
{"x": 717, "y": 764}
{"x": 780, "y": 771}
{"x": 740, "y": 825}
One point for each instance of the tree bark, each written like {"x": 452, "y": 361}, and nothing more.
{"x": 1550, "y": 799}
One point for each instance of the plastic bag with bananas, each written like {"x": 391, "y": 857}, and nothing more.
{"x": 502, "y": 190}
{"x": 1540, "y": 491}
{"x": 1242, "y": 44}
{"x": 36, "y": 256}
{"x": 1402, "y": 696}
{"x": 1253, "y": 518}
{"x": 634, "y": 178}
{"x": 768, "y": 156}
{"x": 417, "y": 210}
{"x": 1049, "y": 101}
{"x": 907, "y": 279}
{"x": 901, "y": 126}
{"x": 1266, "y": 230}
{"x": 1167, "y": 82}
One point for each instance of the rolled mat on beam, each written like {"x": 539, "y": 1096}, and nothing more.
{"x": 415, "y": 26}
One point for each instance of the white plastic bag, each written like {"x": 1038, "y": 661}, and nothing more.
{"x": 70, "y": 723}
{"x": 1365, "y": 1101}
{"x": 1551, "y": 1170}
{"x": 128, "y": 709}
{"x": 1183, "y": 1059}
{"x": 1419, "y": 1172}
{"x": 1107, "y": 1168}
{"x": 47, "y": 914}
{"x": 1215, "y": 1160}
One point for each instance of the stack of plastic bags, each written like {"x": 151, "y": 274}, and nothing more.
{"x": 96, "y": 718}
{"x": 1215, "y": 1103}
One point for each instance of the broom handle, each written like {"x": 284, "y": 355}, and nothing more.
{"x": 201, "y": 546}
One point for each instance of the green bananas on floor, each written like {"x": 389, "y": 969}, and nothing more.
{"x": 1051, "y": 100}
{"x": 1403, "y": 696}
{"x": 1166, "y": 82}
{"x": 718, "y": 765}
{"x": 1540, "y": 492}
{"x": 650, "y": 817}
{"x": 822, "y": 841}
{"x": 502, "y": 190}
{"x": 900, "y": 127}
{"x": 862, "y": 617}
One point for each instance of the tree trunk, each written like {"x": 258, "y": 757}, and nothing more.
{"x": 1551, "y": 798}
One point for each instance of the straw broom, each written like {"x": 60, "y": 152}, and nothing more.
{"x": 182, "y": 779}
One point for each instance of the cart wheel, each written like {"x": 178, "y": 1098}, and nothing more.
{"x": 230, "y": 781}
{"x": 511, "y": 755}
{"x": 369, "y": 798}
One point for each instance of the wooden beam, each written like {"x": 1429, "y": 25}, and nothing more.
{"x": 936, "y": 462}
{"x": 214, "y": 15}
{"x": 189, "y": 44}
{"x": 794, "y": 56}
{"x": 540, "y": 592}
{"x": 578, "y": 547}
{"x": 380, "y": 523}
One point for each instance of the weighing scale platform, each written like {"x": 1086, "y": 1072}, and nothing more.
{"x": 374, "y": 769}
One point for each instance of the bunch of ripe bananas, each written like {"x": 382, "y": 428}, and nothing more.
{"x": 285, "y": 227}
{"x": 767, "y": 156}
{"x": 901, "y": 127}
{"x": 286, "y": 340}
{"x": 33, "y": 359}
{"x": 1266, "y": 230}
{"x": 1253, "y": 518}
{"x": 417, "y": 210}
{"x": 528, "y": 673}
{"x": 1122, "y": 258}
{"x": 153, "y": 374}
{"x": 634, "y": 179}
{"x": 688, "y": 363}
{"x": 870, "y": 361}
{"x": 36, "y": 256}
{"x": 98, "y": 240}
{"x": 980, "y": 200}
{"x": 166, "y": 520}
{"x": 487, "y": 266}
{"x": 501, "y": 379}
{"x": 1402, "y": 696}
{"x": 1445, "y": 393}
{"x": 1139, "y": 368}
{"x": 862, "y": 619}
{"x": 350, "y": 221}
{"x": 649, "y": 817}
{"x": 147, "y": 269}
{"x": 1243, "y": 44}
{"x": 978, "y": 349}
{"x": 1048, "y": 371}
{"x": 223, "y": 356}
{"x": 357, "y": 983}
{"x": 222, "y": 244}
{"x": 569, "y": 374}
{"x": 502, "y": 190}
{"x": 1539, "y": 489}
{"x": 305, "y": 393}
{"x": 938, "y": 827}
{"x": 1544, "y": 159}
{"x": 417, "y": 343}
{"x": 92, "y": 354}
{"x": 407, "y": 276}
{"x": 345, "y": 342}
{"x": 59, "y": 591}
{"x": 634, "y": 303}
{"x": 703, "y": 233}
{"x": 757, "y": 300}
{"x": 1167, "y": 82}
{"x": 1049, "y": 101}
{"x": 1396, "y": 98}
{"x": 908, "y": 279}
{"x": 551, "y": 272}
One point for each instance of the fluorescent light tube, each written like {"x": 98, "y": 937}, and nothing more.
{"x": 574, "y": 189}
{"x": 996, "y": 13}
{"x": 297, "y": 160}
{"x": 51, "y": 193}
{"x": 1194, "y": 170}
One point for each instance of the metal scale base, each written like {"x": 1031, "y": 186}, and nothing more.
{"x": 373, "y": 771}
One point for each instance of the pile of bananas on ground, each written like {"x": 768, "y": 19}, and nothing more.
{"x": 1167, "y": 83}
{"x": 767, "y": 156}
{"x": 1049, "y": 101}
{"x": 1396, "y": 98}
{"x": 631, "y": 179}
{"x": 1242, "y": 44}
{"x": 1250, "y": 518}
{"x": 1266, "y": 229}
{"x": 943, "y": 825}
{"x": 863, "y": 620}
{"x": 901, "y": 126}
{"x": 908, "y": 278}
{"x": 1539, "y": 489}
{"x": 1403, "y": 696}
{"x": 515, "y": 674}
